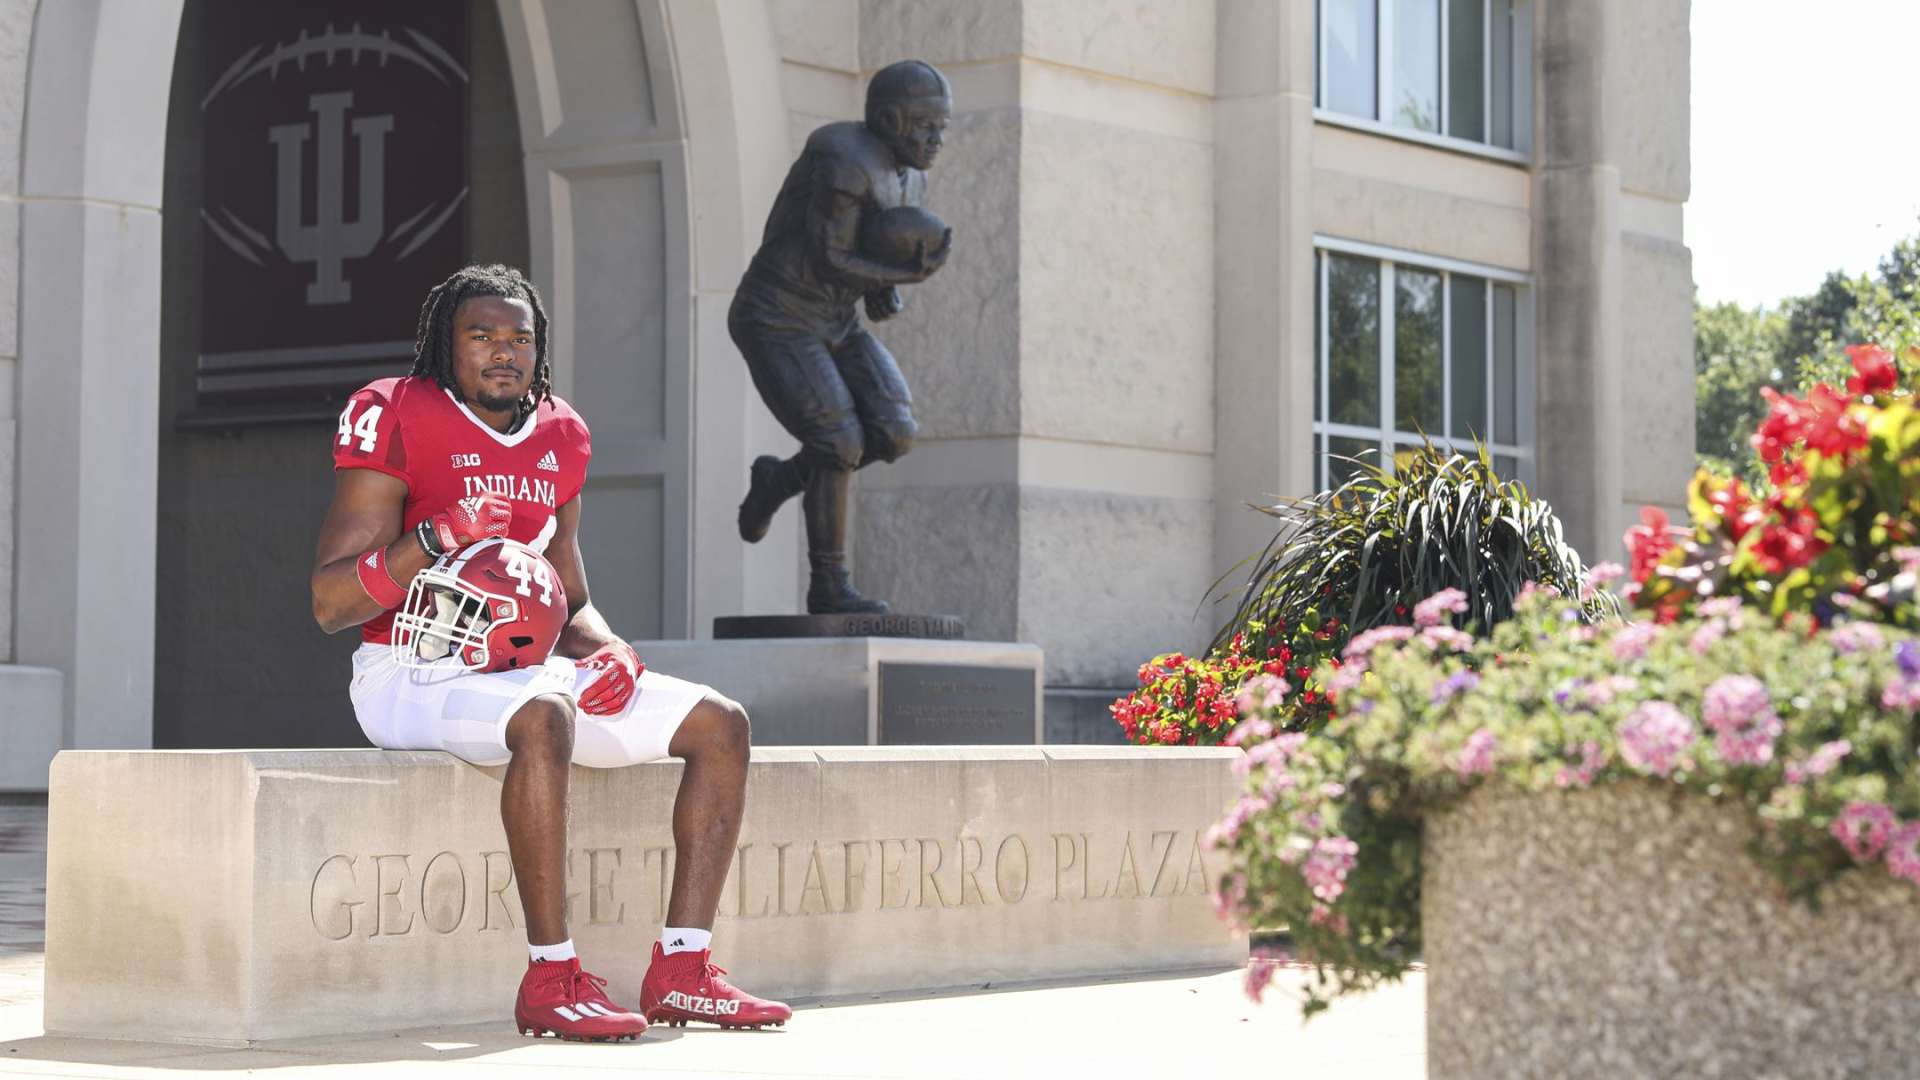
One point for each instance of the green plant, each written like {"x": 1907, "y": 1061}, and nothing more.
{"x": 1366, "y": 551}
{"x": 1326, "y": 837}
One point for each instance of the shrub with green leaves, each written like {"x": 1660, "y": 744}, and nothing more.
{"x": 1812, "y": 729}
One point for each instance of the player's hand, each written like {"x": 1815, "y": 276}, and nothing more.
{"x": 466, "y": 521}
{"x": 884, "y": 304}
{"x": 619, "y": 667}
{"x": 931, "y": 259}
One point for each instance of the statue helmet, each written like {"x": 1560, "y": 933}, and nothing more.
{"x": 899, "y": 83}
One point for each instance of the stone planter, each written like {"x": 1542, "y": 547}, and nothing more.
{"x": 1624, "y": 931}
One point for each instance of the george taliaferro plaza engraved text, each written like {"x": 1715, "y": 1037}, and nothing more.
{"x": 373, "y": 895}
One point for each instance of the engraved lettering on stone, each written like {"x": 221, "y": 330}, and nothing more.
{"x": 385, "y": 914}
{"x": 665, "y": 852}
{"x": 496, "y": 894}
{"x": 741, "y": 881}
{"x": 1197, "y": 864}
{"x": 1001, "y": 870}
{"x": 445, "y": 895}
{"x": 892, "y": 876}
{"x": 780, "y": 878}
{"x": 598, "y": 887}
{"x": 1060, "y": 868}
{"x": 815, "y": 882}
{"x": 970, "y": 876}
{"x": 333, "y": 887}
{"x": 929, "y": 875}
{"x": 849, "y": 875}
{"x": 1166, "y": 854}
{"x": 1086, "y": 870}
{"x": 1129, "y": 868}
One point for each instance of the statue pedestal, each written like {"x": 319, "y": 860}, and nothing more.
{"x": 939, "y": 627}
{"x": 868, "y": 690}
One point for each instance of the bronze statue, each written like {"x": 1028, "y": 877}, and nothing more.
{"x": 845, "y": 228}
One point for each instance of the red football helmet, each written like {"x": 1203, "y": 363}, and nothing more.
{"x": 493, "y": 606}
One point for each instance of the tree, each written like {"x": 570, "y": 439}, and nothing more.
{"x": 1736, "y": 351}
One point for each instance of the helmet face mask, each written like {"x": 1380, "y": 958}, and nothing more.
{"x": 494, "y": 606}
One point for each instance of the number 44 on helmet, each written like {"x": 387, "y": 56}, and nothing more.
{"x": 492, "y": 606}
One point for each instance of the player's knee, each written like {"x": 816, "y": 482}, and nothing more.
{"x": 543, "y": 727}
{"x": 892, "y": 439}
{"x": 840, "y": 447}
{"x": 732, "y": 732}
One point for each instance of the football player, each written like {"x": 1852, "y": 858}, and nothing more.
{"x": 473, "y": 446}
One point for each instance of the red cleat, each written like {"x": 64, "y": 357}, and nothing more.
{"x": 686, "y": 986}
{"x": 556, "y": 996}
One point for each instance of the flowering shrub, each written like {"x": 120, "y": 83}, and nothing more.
{"x": 1834, "y": 530}
{"x": 1326, "y": 837}
{"x": 1352, "y": 560}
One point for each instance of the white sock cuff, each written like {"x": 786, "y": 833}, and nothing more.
{"x": 676, "y": 939}
{"x": 561, "y": 952}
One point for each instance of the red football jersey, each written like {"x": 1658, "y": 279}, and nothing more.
{"x": 414, "y": 429}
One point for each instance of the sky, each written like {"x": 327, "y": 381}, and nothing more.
{"x": 1805, "y": 155}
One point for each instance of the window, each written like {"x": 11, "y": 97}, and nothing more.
{"x": 1453, "y": 71}
{"x": 1412, "y": 348}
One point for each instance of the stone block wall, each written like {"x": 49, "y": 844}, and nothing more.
{"x": 16, "y": 36}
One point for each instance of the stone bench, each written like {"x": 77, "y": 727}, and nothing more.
{"x": 238, "y": 896}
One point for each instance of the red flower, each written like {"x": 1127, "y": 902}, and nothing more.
{"x": 1649, "y": 541}
{"x": 1788, "y": 474}
{"x": 1784, "y": 427}
{"x": 1791, "y": 544}
{"x": 1275, "y": 667}
{"x": 1736, "y": 509}
{"x": 1877, "y": 373}
{"x": 1835, "y": 431}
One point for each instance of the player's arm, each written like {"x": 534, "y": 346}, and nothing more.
{"x": 365, "y": 516}
{"x": 833, "y": 228}
{"x": 587, "y": 637}
{"x": 364, "y": 560}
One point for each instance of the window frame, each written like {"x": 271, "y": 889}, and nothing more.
{"x": 1521, "y": 154}
{"x": 1387, "y": 435}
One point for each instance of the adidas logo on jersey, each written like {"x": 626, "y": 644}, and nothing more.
{"x": 549, "y": 463}
{"x": 373, "y": 559}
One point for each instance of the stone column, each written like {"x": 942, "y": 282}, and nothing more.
{"x": 1062, "y": 364}
{"x": 1263, "y": 155}
{"x": 89, "y": 369}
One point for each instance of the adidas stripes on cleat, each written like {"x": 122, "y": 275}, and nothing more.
{"x": 556, "y": 996}
{"x": 687, "y": 986}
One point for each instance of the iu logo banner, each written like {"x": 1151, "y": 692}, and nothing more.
{"x": 334, "y": 190}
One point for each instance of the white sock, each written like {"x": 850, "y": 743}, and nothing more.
{"x": 561, "y": 952}
{"x": 684, "y": 939}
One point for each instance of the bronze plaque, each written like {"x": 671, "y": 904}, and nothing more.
{"x": 941, "y": 704}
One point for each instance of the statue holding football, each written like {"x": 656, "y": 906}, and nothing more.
{"x": 846, "y": 232}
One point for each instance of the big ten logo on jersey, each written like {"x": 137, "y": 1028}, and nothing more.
{"x": 366, "y": 428}
{"x": 466, "y": 461}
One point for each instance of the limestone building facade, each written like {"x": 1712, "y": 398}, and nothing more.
{"x": 1200, "y": 243}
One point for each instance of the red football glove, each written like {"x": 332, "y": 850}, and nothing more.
{"x": 619, "y": 667}
{"x": 468, "y": 521}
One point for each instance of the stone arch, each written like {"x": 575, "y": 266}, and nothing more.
{"x": 93, "y": 150}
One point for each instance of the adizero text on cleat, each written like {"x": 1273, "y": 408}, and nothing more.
{"x": 557, "y": 997}
{"x": 686, "y": 986}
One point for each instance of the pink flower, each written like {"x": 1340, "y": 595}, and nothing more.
{"x": 1739, "y": 711}
{"x": 1365, "y": 642}
{"x": 1856, "y": 637}
{"x": 1261, "y": 968}
{"x": 1631, "y": 643}
{"x": 1260, "y": 693}
{"x": 1705, "y": 637}
{"x": 1434, "y": 609}
{"x": 1438, "y": 637}
{"x": 1822, "y": 761}
{"x": 1721, "y": 607}
{"x": 1903, "y": 852}
{"x": 1347, "y": 676}
{"x": 1476, "y": 757}
{"x": 1654, "y": 736}
{"x": 1597, "y": 576}
{"x": 1592, "y": 759}
{"x": 1863, "y": 828}
{"x": 1327, "y": 864}
{"x": 1901, "y": 693}
{"x": 1322, "y": 915}
{"x": 1252, "y": 730}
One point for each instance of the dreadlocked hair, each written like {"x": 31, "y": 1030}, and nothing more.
{"x": 433, "y": 342}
